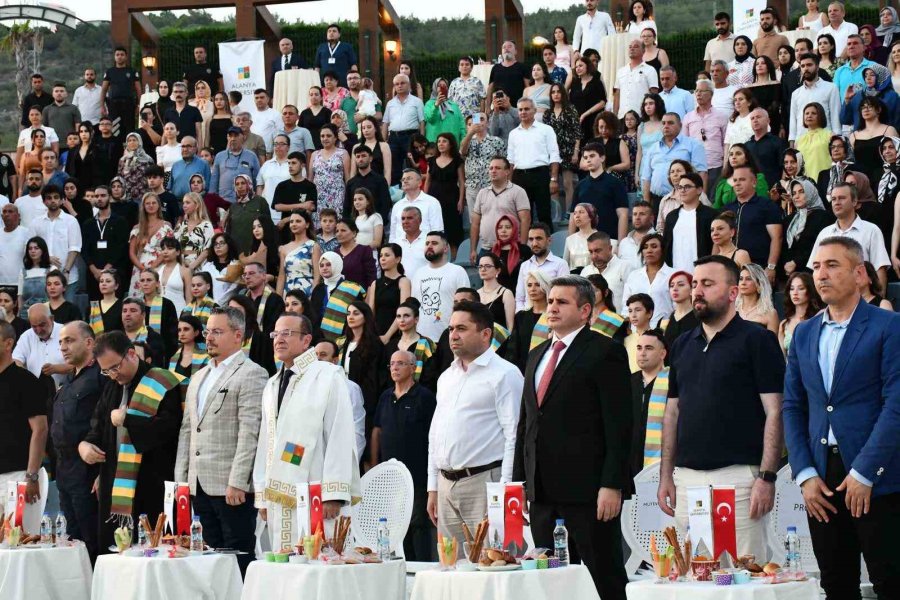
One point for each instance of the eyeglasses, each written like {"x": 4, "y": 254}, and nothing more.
{"x": 480, "y": 267}
{"x": 213, "y": 333}
{"x": 684, "y": 188}
{"x": 113, "y": 371}
{"x": 220, "y": 243}
{"x": 399, "y": 363}
{"x": 277, "y": 143}
{"x": 285, "y": 333}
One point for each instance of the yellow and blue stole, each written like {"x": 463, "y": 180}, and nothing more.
{"x": 501, "y": 334}
{"x": 95, "y": 319}
{"x": 656, "y": 410}
{"x": 155, "y": 306}
{"x": 608, "y": 323}
{"x": 540, "y": 333}
{"x": 201, "y": 309}
{"x": 335, "y": 315}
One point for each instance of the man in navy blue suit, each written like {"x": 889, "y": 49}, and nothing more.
{"x": 285, "y": 61}
{"x": 842, "y": 426}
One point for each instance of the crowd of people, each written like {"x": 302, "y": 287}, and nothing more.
{"x": 249, "y": 300}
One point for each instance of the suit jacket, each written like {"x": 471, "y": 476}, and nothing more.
{"x": 863, "y": 408}
{"x": 579, "y": 440}
{"x": 277, "y": 64}
{"x": 705, "y": 216}
{"x": 218, "y": 446}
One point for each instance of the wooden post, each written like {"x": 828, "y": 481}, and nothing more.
{"x": 503, "y": 20}
{"x": 378, "y": 23}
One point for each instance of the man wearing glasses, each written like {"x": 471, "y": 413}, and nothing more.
{"x": 131, "y": 445}
{"x": 687, "y": 228}
{"x": 707, "y": 125}
{"x": 187, "y": 167}
{"x": 217, "y": 443}
{"x": 404, "y": 116}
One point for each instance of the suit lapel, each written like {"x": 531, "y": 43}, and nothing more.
{"x": 812, "y": 350}
{"x": 848, "y": 344}
{"x": 568, "y": 359}
{"x": 535, "y": 357}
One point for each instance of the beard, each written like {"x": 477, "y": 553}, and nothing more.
{"x": 707, "y": 312}
{"x": 722, "y": 31}
{"x": 434, "y": 257}
{"x": 767, "y": 27}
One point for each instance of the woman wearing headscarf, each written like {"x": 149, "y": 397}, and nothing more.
{"x": 511, "y": 251}
{"x": 164, "y": 102}
{"x": 877, "y": 83}
{"x": 740, "y": 70}
{"x": 331, "y": 297}
{"x": 803, "y": 227}
{"x": 212, "y": 200}
{"x": 345, "y": 138}
{"x": 133, "y": 164}
{"x": 874, "y": 51}
{"x": 888, "y": 187}
{"x": 888, "y": 30}
{"x": 866, "y": 207}
{"x": 441, "y": 114}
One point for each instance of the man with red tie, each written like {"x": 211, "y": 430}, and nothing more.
{"x": 574, "y": 435}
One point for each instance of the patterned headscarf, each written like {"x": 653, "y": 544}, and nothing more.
{"x": 888, "y": 31}
{"x": 813, "y": 202}
{"x": 131, "y": 159}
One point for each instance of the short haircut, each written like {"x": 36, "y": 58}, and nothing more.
{"x": 644, "y": 204}
{"x": 643, "y": 299}
{"x": 656, "y": 333}
{"x": 410, "y": 209}
{"x": 732, "y": 270}
{"x": 134, "y": 300}
{"x": 584, "y": 289}
{"x": 113, "y": 341}
{"x": 154, "y": 171}
{"x": 470, "y": 292}
{"x": 334, "y": 347}
{"x": 722, "y": 16}
{"x": 51, "y": 189}
{"x": 258, "y": 265}
{"x": 236, "y": 319}
{"x": 298, "y": 156}
{"x": 594, "y": 147}
{"x": 334, "y": 26}
{"x": 695, "y": 179}
{"x": 478, "y": 312}
{"x": 361, "y": 149}
{"x": 599, "y": 236}
{"x": 305, "y": 323}
{"x": 808, "y": 56}
{"x": 7, "y": 331}
{"x": 235, "y": 97}
{"x": 436, "y": 233}
{"x": 39, "y": 76}
{"x": 258, "y": 91}
{"x": 505, "y": 161}
{"x": 854, "y": 194}
{"x": 327, "y": 212}
{"x": 850, "y": 245}
{"x": 59, "y": 84}
{"x": 84, "y": 330}
{"x": 668, "y": 68}
{"x": 543, "y": 227}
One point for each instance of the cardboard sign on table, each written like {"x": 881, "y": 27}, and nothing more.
{"x": 711, "y": 518}
{"x": 28, "y": 516}
{"x": 506, "y": 515}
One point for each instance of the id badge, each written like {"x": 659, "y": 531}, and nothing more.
{"x": 102, "y": 245}
{"x": 331, "y": 61}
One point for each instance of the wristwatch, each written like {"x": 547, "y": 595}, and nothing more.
{"x": 33, "y": 477}
{"x": 770, "y": 267}
{"x": 768, "y": 476}
{"x": 553, "y": 179}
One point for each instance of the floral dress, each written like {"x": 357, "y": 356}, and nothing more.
{"x": 467, "y": 93}
{"x": 298, "y": 268}
{"x": 632, "y": 142}
{"x": 328, "y": 175}
{"x": 133, "y": 176}
{"x": 568, "y": 133}
{"x": 149, "y": 253}
{"x": 193, "y": 241}
{"x": 332, "y": 100}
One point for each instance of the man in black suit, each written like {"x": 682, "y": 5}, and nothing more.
{"x": 574, "y": 436}
{"x": 679, "y": 250}
{"x": 288, "y": 59}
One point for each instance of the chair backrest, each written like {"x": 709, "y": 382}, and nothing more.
{"x": 641, "y": 517}
{"x": 558, "y": 243}
{"x": 387, "y": 491}
{"x": 789, "y": 510}
{"x": 893, "y": 294}
{"x": 462, "y": 254}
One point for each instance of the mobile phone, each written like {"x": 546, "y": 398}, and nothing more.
{"x": 476, "y": 119}
{"x": 500, "y": 94}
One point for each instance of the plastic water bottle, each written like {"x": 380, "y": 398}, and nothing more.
{"x": 142, "y": 533}
{"x": 384, "y": 540}
{"x": 561, "y": 543}
{"x": 196, "y": 534}
{"x": 792, "y": 563}
{"x": 61, "y": 527}
{"x": 46, "y": 529}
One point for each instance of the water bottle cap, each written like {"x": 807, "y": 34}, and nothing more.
{"x": 560, "y": 522}
{"x": 196, "y": 518}
{"x": 382, "y": 519}
{"x": 792, "y": 529}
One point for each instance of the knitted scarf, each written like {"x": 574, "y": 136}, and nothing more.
{"x": 95, "y": 320}
{"x": 335, "y": 315}
{"x": 423, "y": 351}
{"x": 199, "y": 358}
{"x": 155, "y": 308}
{"x": 656, "y": 408}
{"x": 608, "y": 323}
{"x": 540, "y": 333}
{"x": 144, "y": 403}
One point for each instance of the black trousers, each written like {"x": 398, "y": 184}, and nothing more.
{"x": 122, "y": 114}
{"x": 597, "y": 544}
{"x": 77, "y": 502}
{"x": 536, "y": 183}
{"x": 227, "y": 526}
{"x": 421, "y": 538}
{"x": 398, "y": 142}
{"x": 839, "y": 542}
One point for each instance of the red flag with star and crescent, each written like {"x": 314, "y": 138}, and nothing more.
{"x": 513, "y": 517}
{"x": 724, "y": 533}
{"x": 183, "y": 510}
{"x": 316, "y": 514}
{"x": 20, "y": 504}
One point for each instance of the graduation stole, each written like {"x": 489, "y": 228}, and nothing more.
{"x": 95, "y": 320}
{"x": 155, "y": 307}
{"x": 335, "y": 315}
{"x": 201, "y": 309}
{"x": 664, "y": 324}
{"x": 141, "y": 334}
{"x": 144, "y": 403}
{"x": 608, "y": 323}
{"x": 656, "y": 408}
{"x": 199, "y": 358}
{"x": 423, "y": 351}
{"x": 501, "y": 333}
{"x": 540, "y": 333}
{"x": 267, "y": 291}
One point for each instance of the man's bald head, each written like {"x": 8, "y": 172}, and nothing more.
{"x": 403, "y": 367}
{"x": 41, "y": 320}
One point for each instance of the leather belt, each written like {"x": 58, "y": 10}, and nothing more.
{"x": 463, "y": 473}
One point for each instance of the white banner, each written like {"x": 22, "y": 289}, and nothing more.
{"x": 243, "y": 66}
{"x": 746, "y": 17}
{"x": 699, "y": 516}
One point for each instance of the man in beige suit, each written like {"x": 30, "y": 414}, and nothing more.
{"x": 217, "y": 444}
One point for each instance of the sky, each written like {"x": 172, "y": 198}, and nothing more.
{"x": 330, "y": 10}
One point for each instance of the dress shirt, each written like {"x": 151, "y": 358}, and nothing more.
{"x": 633, "y": 83}
{"x": 403, "y": 115}
{"x": 590, "y": 31}
{"x": 545, "y": 359}
{"x": 182, "y": 171}
{"x": 413, "y": 253}
{"x": 723, "y": 99}
{"x": 846, "y": 75}
{"x": 677, "y": 100}
{"x": 627, "y": 249}
{"x": 658, "y": 290}
{"x": 711, "y": 124}
{"x": 476, "y": 417}
{"x": 616, "y": 274}
{"x": 867, "y": 234}
{"x": 840, "y": 35}
{"x": 719, "y": 49}
{"x": 532, "y": 147}
{"x": 432, "y": 218}
{"x": 63, "y": 235}
{"x": 821, "y": 91}
{"x": 34, "y": 352}
{"x": 216, "y": 369}
{"x": 658, "y": 157}
{"x": 88, "y": 102}
{"x": 553, "y": 266}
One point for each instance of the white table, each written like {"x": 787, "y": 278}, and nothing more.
{"x": 45, "y": 573}
{"x": 266, "y": 580}
{"x": 613, "y": 54}
{"x": 648, "y": 590}
{"x": 573, "y": 582}
{"x": 292, "y": 87}
{"x": 211, "y": 577}
{"x": 483, "y": 72}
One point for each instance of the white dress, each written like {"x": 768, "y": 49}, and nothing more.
{"x": 576, "y": 252}
{"x": 814, "y": 26}
{"x": 639, "y": 27}
{"x": 173, "y": 287}
{"x": 167, "y": 156}
{"x": 738, "y": 131}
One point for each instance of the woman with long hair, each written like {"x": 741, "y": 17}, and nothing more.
{"x": 415, "y": 88}
{"x": 529, "y": 328}
{"x": 539, "y": 90}
{"x": 223, "y": 265}
{"x": 587, "y": 93}
{"x": 739, "y": 129}
{"x": 640, "y": 18}
{"x": 299, "y": 257}
{"x": 582, "y": 224}
{"x": 257, "y": 347}
{"x": 388, "y": 291}
{"x": 813, "y": 144}
{"x": 654, "y": 56}
{"x": 80, "y": 160}
{"x": 191, "y": 355}
{"x": 653, "y": 107}
{"x": 145, "y": 239}
{"x": 766, "y": 90}
{"x": 562, "y": 117}
{"x": 802, "y": 227}
{"x": 367, "y": 219}
{"x": 31, "y": 159}
{"x": 867, "y": 138}
{"x": 62, "y": 310}
{"x": 9, "y": 306}
{"x": 682, "y": 317}
{"x": 871, "y": 290}
{"x": 500, "y": 300}
{"x": 511, "y": 251}
{"x": 169, "y": 151}
{"x": 203, "y": 102}
{"x": 617, "y": 157}
{"x": 827, "y": 51}
{"x": 218, "y": 124}
{"x": 443, "y": 115}
{"x": 315, "y": 115}
{"x": 359, "y": 264}
{"x": 813, "y": 19}
{"x": 106, "y": 313}
{"x": 893, "y": 64}
{"x": 446, "y": 181}
{"x": 201, "y": 304}
{"x": 263, "y": 248}
{"x": 740, "y": 70}
{"x": 174, "y": 277}
{"x": 211, "y": 200}
{"x": 738, "y": 156}
{"x": 194, "y": 231}
{"x": 651, "y": 279}
{"x": 754, "y": 301}
{"x": 722, "y": 232}
{"x": 564, "y": 50}
{"x": 406, "y": 322}
{"x": 295, "y": 301}
{"x": 801, "y": 302}
{"x": 370, "y": 135}
{"x": 329, "y": 170}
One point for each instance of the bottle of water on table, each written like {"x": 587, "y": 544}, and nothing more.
{"x": 46, "y": 529}
{"x": 196, "y": 534}
{"x": 792, "y": 562}
{"x": 384, "y": 540}
{"x": 561, "y": 543}
{"x": 61, "y": 527}
{"x": 141, "y": 531}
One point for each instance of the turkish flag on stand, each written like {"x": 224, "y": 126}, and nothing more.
{"x": 20, "y": 505}
{"x": 513, "y": 519}
{"x": 316, "y": 514}
{"x": 723, "y": 518}
{"x": 183, "y": 510}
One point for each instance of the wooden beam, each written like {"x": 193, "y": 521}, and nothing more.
{"x": 148, "y": 36}
{"x": 378, "y": 22}
{"x": 503, "y": 20}
{"x": 268, "y": 29}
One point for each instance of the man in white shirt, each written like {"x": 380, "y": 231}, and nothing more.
{"x": 533, "y": 154}
{"x": 591, "y": 28}
{"x": 633, "y": 80}
{"x": 542, "y": 259}
{"x": 38, "y": 348}
{"x": 839, "y": 29}
{"x": 849, "y": 224}
{"x": 604, "y": 262}
{"x": 433, "y": 286}
{"x": 31, "y": 205}
{"x": 723, "y": 94}
{"x": 813, "y": 89}
{"x": 13, "y": 238}
{"x": 265, "y": 120}
{"x": 720, "y": 47}
{"x": 412, "y": 241}
{"x": 472, "y": 439}
{"x": 429, "y": 207}
{"x": 642, "y": 219}
{"x": 274, "y": 171}
{"x": 87, "y": 98}
{"x": 63, "y": 236}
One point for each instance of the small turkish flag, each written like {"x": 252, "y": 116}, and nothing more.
{"x": 20, "y": 504}
{"x": 723, "y": 518}
{"x": 316, "y": 514}
{"x": 183, "y": 510}
{"x": 513, "y": 519}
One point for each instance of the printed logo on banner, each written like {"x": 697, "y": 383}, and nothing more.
{"x": 749, "y": 13}
{"x": 243, "y": 72}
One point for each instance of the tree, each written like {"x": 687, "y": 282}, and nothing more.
{"x": 26, "y": 45}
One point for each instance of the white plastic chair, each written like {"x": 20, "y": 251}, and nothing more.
{"x": 387, "y": 491}
{"x": 787, "y": 493}
{"x": 638, "y": 539}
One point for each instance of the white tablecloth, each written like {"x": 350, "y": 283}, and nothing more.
{"x": 483, "y": 72}
{"x": 572, "y": 583}
{"x": 210, "y": 577}
{"x": 268, "y": 581}
{"x": 45, "y": 574}
{"x": 292, "y": 87}
{"x": 613, "y": 54}
{"x": 648, "y": 590}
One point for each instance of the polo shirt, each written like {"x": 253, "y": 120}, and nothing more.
{"x": 633, "y": 83}
{"x": 716, "y": 430}
{"x": 490, "y": 206}
{"x": 678, "y": 101}
{"x": 22, "y": 398}
{"x": 846, "y": 75}
{"x": 719, "y": 49}
{"x": 752, "y": 218}
{"x": 658, "y": 157}
{"x": 121, "y": 83}
{"x": 413, "y": 252}
{"x": 62, "y": 118}
{"x": 404, "y": 424}
{"x": 301, "y": 139}
{"x": 185, "y": 121}
{"x": 338, "y": 59}
{"x": 606, "y": 194}
{"x": 768, "y": 151}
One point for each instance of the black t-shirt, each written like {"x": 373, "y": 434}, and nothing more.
{"x": 185, "y": 121}
{"x": 21, "y": 397}
{"x": 32, "y": 99}
{"x": 204, "y": 72}
{"x": 404, "y": 425}
{"x": 510, "y": 79}
{"x": 294, "y": 192}
{"x": 121, "y": 83}
{"x": 171, "y": 207}
{"x": 7, "y": 170}
{"x": 147, "y": 141}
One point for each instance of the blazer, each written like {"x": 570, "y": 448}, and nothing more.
{"x": 863, "y": 408}
{"x": 579, "y": 440}
{"x": 218, "y": 446}
{"x": 277, "y": 64}
{"x": 705, "y": 216}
